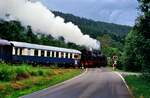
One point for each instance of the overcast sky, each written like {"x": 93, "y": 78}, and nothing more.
{"x": 113, "y": 11}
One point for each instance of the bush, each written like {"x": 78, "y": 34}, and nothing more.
{"x": 22, "y": 72}
{"x": 34, "y": 73}
{"x": 11, "y": 72}
{"x": 119, "y": 65}
{"x": 7, "y": 73}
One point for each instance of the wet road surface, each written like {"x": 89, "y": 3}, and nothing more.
{"x": 94, "y": 83}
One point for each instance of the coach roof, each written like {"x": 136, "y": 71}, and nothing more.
{"x": 43, "y": 47}
{"x": 4, "y": 42}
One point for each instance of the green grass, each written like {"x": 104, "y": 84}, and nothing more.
{"x": 10, "y": 72}
{"x": 139, "y": 86}
{"x": 24, "y": 79}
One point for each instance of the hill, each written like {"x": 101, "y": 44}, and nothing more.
{"x": 110, "y": 35}
{"x": 95, "y": 28}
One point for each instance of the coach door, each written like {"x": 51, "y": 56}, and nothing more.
{"x": 5, "y": 53}
{"x": 1, "y": 53}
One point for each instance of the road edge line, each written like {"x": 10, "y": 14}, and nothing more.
{"x": 61, "y": 83}
{"x": 130, "y": 92}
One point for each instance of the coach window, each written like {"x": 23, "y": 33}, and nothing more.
{"x": 29, "y": 51}
{"x": 71, "y": 55}
{"x": 1, "y": 49}
{"x": 57, "y": 54}
{"x": 52, "y": 53}
{"x": 20, "y": 51}
{"x": 48, "y": 53}
{"x": 13, "y": 51}
{"x": 76, "y": 56}
{"x": 66, "y": 55}
{"x": 42, "y": 53}
{"x": 16, "y": 51}
{"x": 62, "y": 54}
{"x": 35, "y": 52}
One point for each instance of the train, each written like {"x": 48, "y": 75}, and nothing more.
{"x": 93, "y": 58}
{"x": 13, "y": 51}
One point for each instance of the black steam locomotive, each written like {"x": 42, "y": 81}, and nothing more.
{"x": 91, "y": 59}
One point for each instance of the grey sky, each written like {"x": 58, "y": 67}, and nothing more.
{"x": 113, "y": 11}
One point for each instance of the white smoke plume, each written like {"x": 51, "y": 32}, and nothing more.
{"x": 41, "y": 19}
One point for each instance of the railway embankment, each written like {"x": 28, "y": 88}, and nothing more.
{"x": 22, "y": 79}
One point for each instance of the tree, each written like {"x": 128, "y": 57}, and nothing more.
{"x": 108, "y": 45}
{"x": 143, "y": 28}
{"x": 131, "y": 59}
{"x": 12, "y": 30}
{"x": 32, "y": 38}
{"x": 137, "y": 45}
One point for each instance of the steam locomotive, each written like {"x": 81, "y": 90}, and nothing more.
{"x": 13, "y": 51}
{"x": 94, "y": 58}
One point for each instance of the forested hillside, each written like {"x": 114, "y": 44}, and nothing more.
{"x": 95, "y": 28}
{"x": 110, "y": 35}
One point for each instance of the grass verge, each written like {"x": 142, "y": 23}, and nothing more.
{"x": 139, "y": 86}
{"x": 16, "y": 81}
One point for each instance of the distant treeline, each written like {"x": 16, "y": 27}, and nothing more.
{"x": 14, "y": 31}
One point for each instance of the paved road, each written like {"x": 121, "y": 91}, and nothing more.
{"x": 95, "y": 83}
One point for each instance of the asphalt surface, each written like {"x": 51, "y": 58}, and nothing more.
{"x": 94, "y": 83}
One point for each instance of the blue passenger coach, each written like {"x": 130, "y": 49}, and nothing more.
{"x": 26, "y": 52}
{"x": 33, "y": 53}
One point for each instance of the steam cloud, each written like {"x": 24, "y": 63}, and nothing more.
{"x": 35, "y": 14}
